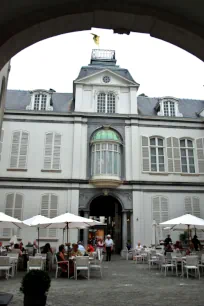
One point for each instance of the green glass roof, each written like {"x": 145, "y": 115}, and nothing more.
{"x": 106, "y": 135}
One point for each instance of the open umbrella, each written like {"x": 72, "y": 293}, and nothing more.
{"x": 37, "y": 221}
{"x": 184, "y": 222}
{"x": 10, "y": 222}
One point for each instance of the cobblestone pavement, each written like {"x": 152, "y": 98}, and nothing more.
{"x": 123, "y": 283}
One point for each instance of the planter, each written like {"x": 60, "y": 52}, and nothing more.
{"x": 33, "y": 300}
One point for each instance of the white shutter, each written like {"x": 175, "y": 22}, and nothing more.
{"x": 145, "y": 153}
{"x": 15, "y": 149}
{"x": 156, "y": 209}
{"x": 188, "y": 205}
{"x": 164, "y": 209}
{"x": 48, "y": 151}
{"x": 9, "y": 208}
{"x": 176, "y": 154}
{"x": 45, "y": 206}
{"x": 170, "y": 155}
{"x": 49, "y": 208}
{"x": 23, "y": 150}
{"x": 53, "y": 213}
{"x": 200, "y": 154}
{"x": 1, "y": 141}
{"x": 18, "y": 206}
{"x": 56, "y": 152}
{"x": 196, "y": 206}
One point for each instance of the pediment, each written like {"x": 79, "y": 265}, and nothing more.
{"x": 114, "y": 79}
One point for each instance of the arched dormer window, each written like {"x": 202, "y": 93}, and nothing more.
{"x": 168, "y": 107}
{"x": 106, "y": 156}
{"x": 41, "y": 100}
{"x": 106, "y": 102}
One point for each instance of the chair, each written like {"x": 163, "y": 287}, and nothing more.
{"x": 201, "y": 264}
{"x": 35, "y": 263}
{"x": 30, "y": 250}
{"x": 59, "y": 268}
{"x": 163, "y": 264}
{"x": 14, "y": 261}
{"x": 82, "y": 264}
{"x": 5, "y": 265}
{"x": 97, "y": 265}
{"x": 137, "y": 257}
{"x": 152, "y": 258}
{"x": 192, "y": 263}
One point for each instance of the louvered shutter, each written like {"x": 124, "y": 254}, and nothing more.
{"x": 170, "y": 155}
{"x": 48, "y": 151}
{"x": 23, "y": 150}
{"x": 164, "y": 209}
{"x": 196, "y": 206}
{"x": 15, "y": 149}
{"x": 45, "y": 206}
{"x": 9, "y": 211}
{"x": 145, "y": 153}
{"x": 18, "y": 206}
{"x": 53, "y": 213}
{"x": 156, "y": 209}
{"x": 188, "y": 205}
{"x": 176, "y": 155}
{"x": 200, "y": 154}
{"x": 56, "y": 152}
{"x": 1, "y": 142}
{"x": 49, "y": 207}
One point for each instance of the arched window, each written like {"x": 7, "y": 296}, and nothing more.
{"x": 106, "y": 103}
{"x": 157, "y": 154}
{"x": 169, "y": 109}
{"x": 106, "y": 153}
{"x": 187, "y": 156}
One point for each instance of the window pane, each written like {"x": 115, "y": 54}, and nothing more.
{"x": 153, "y": 159}
{"x": 161, "y": 159}
{"x": 153, "y": 167}
{"x": 152, "y": 141}
{"x": 160, "y": 142}
{"x": 190, "y": 152}
{"x": 116, "y": 163}
{"x": 101, "y": 106}
{"x": 161, "y": 167}
{"x": 37, "y": 102}
{"x": 110, "y": 162}
{"x": 191, "y": 160}
{"x": 183, "y": 152}
{"x": 183, "y": 160}
{"x": 43, "y": 102}
{"x": 110, "y": 147}
{"x": 97, "y": 162}
{"x": 192, "y": 169}
{"x": 190, "y": 143}
{"x": 184, "y": 168}
{"x": 160, "y": 151}
{"x": 103, "y": 166}
{"x": 110, "y": 103}
{"x": 153, "y": 151}
{"x": 182, "y": 143}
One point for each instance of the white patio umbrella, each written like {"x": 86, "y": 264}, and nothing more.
{"x": 184, "y": 222}
{"x": 70, "y": 221}
{"x": 10, "y": 222}
{"x": 37, "y": 221}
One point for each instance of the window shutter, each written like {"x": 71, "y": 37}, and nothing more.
{"x": 56, "y": 152}
{"x": 170, "y": 155}
{"x": 1, "y": 142}
{"x": 15, "y": 149}
{"x": 53, "y": 213}
{"x": 200, "y": 154}
{"x": 48, "y": 151}
{"x": 9, "y": 204}
{"x": 13, "y": 208}
{"x": 176, "y": 154}
{"x": 18, "y": 206}
{"x": 145, "y": 153}
{"x": 23, "y": 151}
{"x": 196, "y": 207}
{"x": 45, "y": 206}
{"x": 156, "y": 209}
{"x": 188, "y": 206}
{"x": 49, "y": 207}
{"x": 164, "y": 209}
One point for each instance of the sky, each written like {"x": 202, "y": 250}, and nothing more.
{"x": 160, "y": 68}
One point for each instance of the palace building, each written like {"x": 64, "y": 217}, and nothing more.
{"x": 103, "y": 152}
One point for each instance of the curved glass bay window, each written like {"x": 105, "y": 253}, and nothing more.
{"x": 106, "y": 154}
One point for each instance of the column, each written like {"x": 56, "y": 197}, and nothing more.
{"x": 124, "y": 229}
{"x": 86, "y": 231}
{"x": 131, "y": 230}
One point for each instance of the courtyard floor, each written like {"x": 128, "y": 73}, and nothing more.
{"x": 123, "y": 283}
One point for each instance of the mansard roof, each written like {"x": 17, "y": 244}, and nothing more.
{"x": 62, "y": 103}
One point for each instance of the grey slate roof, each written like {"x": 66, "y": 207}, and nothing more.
{"x": 89, "y": 70}
{"x": 19, "y": 99}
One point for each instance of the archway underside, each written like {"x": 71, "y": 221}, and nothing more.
{"x": 22, "y": 26}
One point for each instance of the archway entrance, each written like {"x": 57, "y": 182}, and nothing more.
{"x": 108, "y": 210}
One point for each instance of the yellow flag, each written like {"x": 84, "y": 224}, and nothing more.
{"x": 96, "y": 39}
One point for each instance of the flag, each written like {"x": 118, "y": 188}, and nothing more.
{"x": 96, "y": 38}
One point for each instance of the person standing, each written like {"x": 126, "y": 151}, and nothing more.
{"x": 196, "y": 243}
{"x": 100, "y": 245}
{"x": 109, "y": 247}
{"x": 167, "y": 240}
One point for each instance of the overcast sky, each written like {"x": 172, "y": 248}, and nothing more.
{"x": 159, "y": 67}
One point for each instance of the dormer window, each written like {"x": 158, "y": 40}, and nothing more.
{"x": 41, "y": 100}
{"x": 106, "y": 103}
{"x": 168, "y": 107}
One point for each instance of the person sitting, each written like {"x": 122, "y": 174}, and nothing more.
{"x": 47, "y": 248}
{"x": 128, "y": 245}
{"x": 63, "y": 263}
{"x": 90, "y": 248}
{"x": 168, "y": 248}
{"x": 75, "y": 251}
{"x": 178, "y": 245}
{"x": 81, "y": 248}
{"x": 139, "y": 247}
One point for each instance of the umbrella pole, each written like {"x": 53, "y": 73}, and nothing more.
{"x": 38, "y": 240}
{"x": 67, "y": 239}
{"x": 189, "y": 235}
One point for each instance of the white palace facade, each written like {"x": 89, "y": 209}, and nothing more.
{"x": 103, "y": 152}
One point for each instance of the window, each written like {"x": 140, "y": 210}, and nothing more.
{"x": 19, "y": 150}
{"x": 106, "y": 153}
{"x": 13, "y": 208}
{"x": 157, "y": 154}
{"x": 169, "y": 109}
{"x": 106, "y": 79}
{"x": 49, "y": 206}
{"x": 52, "y": 152}
{"x": 192, "y": 206}
{"x": 106, "y": 103}
{"x": 1, "y": 141}
{"x": 200, "y": 154}
{"x": 40, "y": 101}
{"x": 187, "y": 156}
{"x": 160, "y": 211}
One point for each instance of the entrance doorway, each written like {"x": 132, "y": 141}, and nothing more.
{"x": 108, "y": 210}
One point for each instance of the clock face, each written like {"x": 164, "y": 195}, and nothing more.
{"x": 106, "y": 79}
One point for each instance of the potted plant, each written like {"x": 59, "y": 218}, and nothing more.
{"x": 35, "y": 286}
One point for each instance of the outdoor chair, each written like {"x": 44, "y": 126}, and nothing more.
{"x": 82, "y": 264}
{"x": 97, "y": 265}
{"x": 163, "y": 264}
{"x": 137, "y": 257}
{"x": 201, "y": 264}
{"x": 192, "y": 263}
{"x": 5, "y": 266}
{"x": 152, "y": 259}
{"x": 59, "y": 268}
{"x": 35, "y": 263}
{"x": 168, "y": 257}
{"x": 14, "y": 261}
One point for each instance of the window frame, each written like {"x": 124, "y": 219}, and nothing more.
{"x": 107, "y": 102}
{"x": 19, "y": 149}
{"x": 53, "y": 148}
{"x": 169, "y": 112}
{"x": 187, "y": 156}
{"x": 157, "y": 147}
{"x": 40, "y": 102}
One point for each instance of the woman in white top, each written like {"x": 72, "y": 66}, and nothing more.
{"x": 139, "y": 247}
{"x": 99, "y": 247}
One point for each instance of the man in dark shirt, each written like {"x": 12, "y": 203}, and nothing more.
{"x": 196, "y": 242}
{"x": 167, "y": 240}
